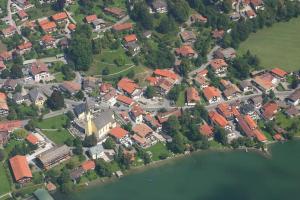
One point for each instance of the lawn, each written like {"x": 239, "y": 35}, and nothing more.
{"x": 158, "y": 150}
{"x": 5, "y": 184}
{"x": 59, "y": 134}
{"x": 284, "y": 122}
{"x": 277, "y": 46}
{"x": 181, "y": 99}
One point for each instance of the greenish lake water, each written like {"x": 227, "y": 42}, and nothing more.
{"x": 211, "y": 176}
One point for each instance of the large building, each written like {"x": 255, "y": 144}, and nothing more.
{"x": 20, "y": 169}
{"x": 54, "y": 156}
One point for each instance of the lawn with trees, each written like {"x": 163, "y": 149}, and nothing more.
{"x": 269, "y": 44}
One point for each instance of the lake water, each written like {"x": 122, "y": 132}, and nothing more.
{"x": 211, "y": 176}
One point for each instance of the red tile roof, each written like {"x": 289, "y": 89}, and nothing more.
{"x": 152, "y": 80}
{"x": 118, "y": 132}
{"x": 25, "y": 45}
{"x": 269, "y": 109}
{"x": 105, "y": 87}
{"x": 279, "y": 72}
{"x": 122, "y": 27}
{"x": 48, "y": 39}
{"x": 6, "y": 55}
{"x": 206, "y": 130}
{"x": 71, "y": 27}
{"x": 251, "y": 123}
{"x": 211, "y": 92}
{"x": 218, "y": 63}
{"x": 185, "y": 50}
{"x": 166, "y": 73}
{"x": 39, "y": 68}
{"x": 48, "y": 26}
{"x": 142, "y": 130}
{"x": 115, "y": 11}
{"x": 10, "y": 125}
{"x": 127, "y": 85}
{"x": 124, "y": 99}
{"x": 88, "y": 165}
{"x": 32, "y": 139}
{"x": 90, "y": 18}
{"x": 218, "y": 119}
{"x": 218, "y": 34}
{"x": 259, "y": 135}
{"x": 22, "y": 14}
{"x": 130, "y": 38}
{"x": 192, "y": 95}
{"x": 3, "y": 101}
{"x": 59, "y": 16}
{"x": 20, "y": 168}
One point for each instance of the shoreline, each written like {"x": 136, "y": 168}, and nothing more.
{"x": 169, "y": 160}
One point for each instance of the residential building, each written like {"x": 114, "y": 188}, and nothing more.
{"x": 265, "y": 82}
{"x": 227, "y": 111}
{"x": 4, "y": 109}
{"x": 118, "y": 133}
{"x": 122, "y": 27}
{"x": 206, "y": 130}
{"x": 9, "y": 84}
{"x": 88, "y": 165}
{"x": 4, "y": 137}
{"x": 188, "y": 36}
{"x": 198, "y": 18}
{"x": 54, "y": 156}
{"x": 212, "y": 94}
{"x": 90, "y": 83}
{"x": 99, "y": 24}
{"x": 231, "y": 91}
{"x": 166, "y": 73}
{"x": 294, "y": 98}
{"x": 90, "y": 18}
{"x": 130, "y": 88}
{"x": 20, "y": 169}
{"x": 98, "y": 152}
{"x": 124, "y": 100}
{"x": 219, "y": 120}
{"x": 9, "y": 31}
{"x": 59, "y": 18}
{"x": 152, "y": 122}
{"x": 37, "y": 97}
{"x": 227, "y": 54}
{"x": 269, "y": 110}
{"x": 24, "y": 48}
{"x": 185, "y": 51}
{"x": 256, "y": 101}
{"x": 48, "y": 42}
{"x": 218, "y": 34}
{"x": 192, "y": 96}
{"x": 47, "y": 26}
{"x": 136, "y": 113}
{"x": 115, "y": 11}
{"x": 6, "y": 56}
{"x": 245, "y": 86}
{"x": 279, "y": 73}
{"x": 219, "y": 66}
{"x": 164, "y": 116}
{"x": 70, "y": 87}
{"x": 40, "y": 72}
{"x": 159, "y": 6}
{"x": 143, "y": 135}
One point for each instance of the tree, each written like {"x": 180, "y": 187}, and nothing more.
{"x": 16, "y": 72}
{"x": 5, "y": 73}
{"x": 56, "y": 100}
{"x": 178, "y": 143}
{"x": 59, "y": 5}
{"x": 90, "y": 141}
{"x": 221, "y": 135}
{"x": 109, "y": 143}
{"x": 103, "y": 168}
{"x": 167, "y": 25}
{"x": 68, "y": 72}
{"x": 149, "y": 92}
{"x": 179, "y": 9}
{"x": 2, "y": 154}
{"x": 171, "y": 126}
{"x": 79, "y": 95}
{"x": 31, "y": 125}
{"x": 185, "y": 67}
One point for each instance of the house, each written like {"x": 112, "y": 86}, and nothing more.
{"x": 269, "y": 110}
{"x": 201, "y": 81}
{"x": 159, "y": 6}
{"x": 98, "y": 152}
{"x": 147, "y": 34}
{"x": 24, "y": 48}
{"x": 2, "y": 65}
{"x": 20, "y": 169}
{"x": 90, "y": 83}
{"x": 9, "y": 31}
{"x": 99, "y": 24}
{"x": 90, "y": 18}
{"x": 188, "y": 36}
{"x": 76, "y": 173}
{"x": 124, "y": 100}
{"x": 37, "y": 97}
{"x": 18, "y": 98}
{"x": 250, "y": 13}
{"x": 212, "y": 94}
{"x": 219, "y": 120}
{"x": 59, "y": 18}
{"x": 10, "y": 84}
{"x": 166, "y": 73}
{"x": 219, "y": 66}
{"x": 152, "y": 122}
{"x": 47, "y": 26}
{"x": 129, "y": 87}
{"x": 245, "y": 86}
{"x": 32, "y": 139}
{"x": 231, "y": 91}
{"x": 227, "y": 111}
{"x": 185, "y": 51}
{"x": 256, "y": 101}
{"x": 110, "y": 97}
{"x": 4, "y": 109}
{"x": 227, "y": 54}
{"x": 22, "y": 3}
{"x": 47, "y": 42}
{"x": 292, "y": 111}
{"x": 265, "y": 82}
{"x": 72, "y": 27}
{"x": 164, "y": 116}
{"x": 192, "y": 96}
{"x": 118, "y": 133}
{"x": 130, "y": 38}
{"x": 23, "y": 16}
{"x": 218, "y": 34}
{"x": 206, "y": 130}
{"x": 4, "y": 137}
{"x": 164, "y": 85}
{"x": 70, "y": 87}
{"x": 122, "y": 27}
{"x": 54, "y": 156}
{"x": 198, "y": 18}
{"x": 99, "y": 124}
{"x": 279, "y": 73}
{"x": 115, "y": 11}
{"x": 11, "y": 125}
{"x": 133, "y": 47}
{"x": 248, "y": 109}
{"x": 136, "y": 113}
{"x": 6, "y": 56}
{"x": 88, "y": 165}
{"x": 294, "y": 98}
{"x": 40, "y": 72}
{"x": 257, "y": 4}
{"x": 143, "y": 135}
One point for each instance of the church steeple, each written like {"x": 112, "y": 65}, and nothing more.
{"x": 88, "y": 115}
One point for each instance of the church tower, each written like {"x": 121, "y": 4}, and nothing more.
{"x": 88, "y": 115}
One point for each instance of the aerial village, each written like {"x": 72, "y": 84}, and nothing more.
{"x": 62, "y": 127}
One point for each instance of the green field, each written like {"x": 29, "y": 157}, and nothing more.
{"x": 5, "y": 184}
{"x": 277, "y": 46}
{"x": 158, "y": 150}
{"x": 57, "y": 133}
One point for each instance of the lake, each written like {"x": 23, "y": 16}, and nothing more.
{"x": 211, "y": 176}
